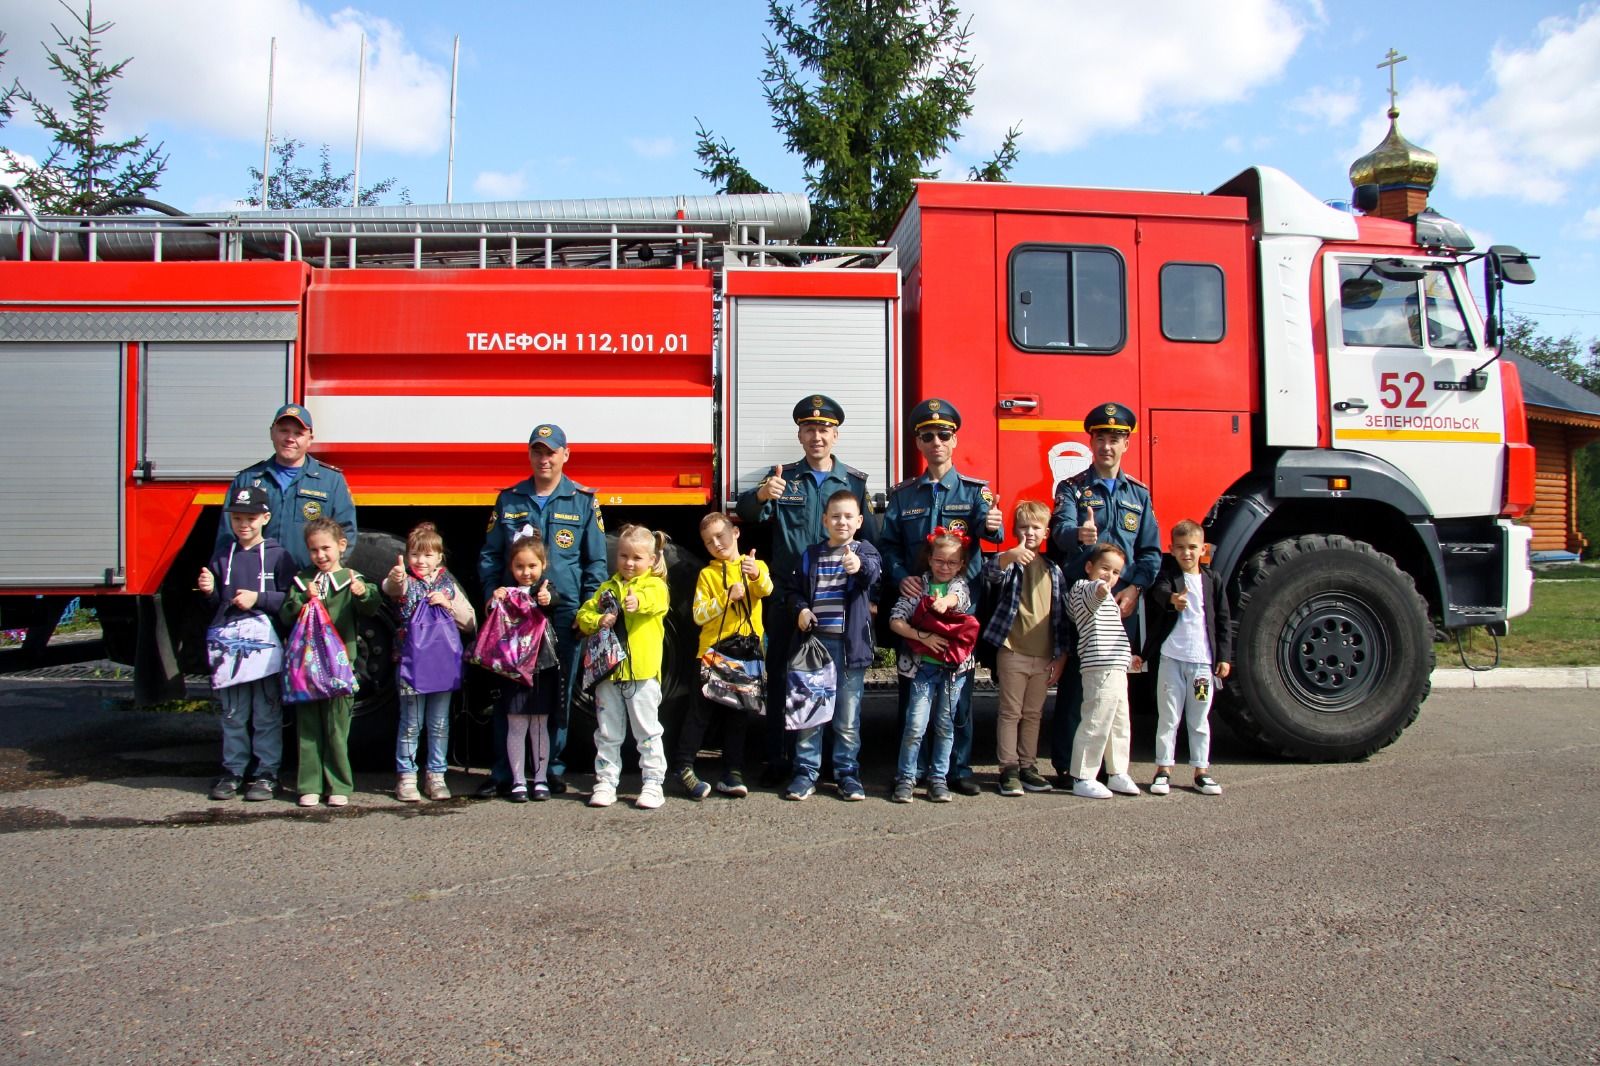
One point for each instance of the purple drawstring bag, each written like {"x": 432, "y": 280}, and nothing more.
{"x": 316, "y": 663}
{"x": 430, "y": 653}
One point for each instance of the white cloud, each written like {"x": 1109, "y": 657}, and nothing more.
{"x": 10, "y": 177}
{"x": 652, "y": 147}
{"x": 204, "y": 64}
{"x": 1071, "y": 71}
{"x": 1590, "y": 224}
{"x": 500, "y": 184}
{"x": 1538, "y": 127}
{"x": 1328, "y": 106}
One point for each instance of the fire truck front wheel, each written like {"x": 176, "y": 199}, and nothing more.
{"x": 1333, "y": 652}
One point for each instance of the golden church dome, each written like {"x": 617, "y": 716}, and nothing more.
{"x": 1396, "y": 162}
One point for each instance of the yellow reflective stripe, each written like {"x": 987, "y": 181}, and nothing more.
{"x": 1438, "y": 436}
{"x": 1053, "y": 425}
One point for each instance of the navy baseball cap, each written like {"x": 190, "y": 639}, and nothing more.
{"x": 549, "y": 435}
{"x": 294, "y": 411}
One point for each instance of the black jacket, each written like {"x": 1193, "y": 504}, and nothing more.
{"x": 1162, "y": 617}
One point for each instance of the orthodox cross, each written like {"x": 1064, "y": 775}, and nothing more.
{"x": 1391, "y": 59}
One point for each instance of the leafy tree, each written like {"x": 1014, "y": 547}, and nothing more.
{"x": 296, "y": 186}
{"x": 83, "y": 168}
{"x": 868, "y": 93}
{"x": 1567, "y": 357}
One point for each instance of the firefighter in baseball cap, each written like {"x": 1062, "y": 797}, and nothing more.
{"x": 297, "y": 486}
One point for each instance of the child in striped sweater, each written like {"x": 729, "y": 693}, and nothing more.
{"x": 1104, "y": 658}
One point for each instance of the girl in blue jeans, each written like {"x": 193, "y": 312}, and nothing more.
{"x": 939, "y": 665}
{"x": 416, "y": 578}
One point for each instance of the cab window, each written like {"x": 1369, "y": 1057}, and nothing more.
{"x": 1067, "y": 299}
{"x": 1379, "y": 312}
{"x": 1192, "y": 302}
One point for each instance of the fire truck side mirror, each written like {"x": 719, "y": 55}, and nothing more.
{"x": 1511, "y": 264}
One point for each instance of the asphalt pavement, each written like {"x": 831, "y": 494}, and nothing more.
{"x": 1438, "y": 902}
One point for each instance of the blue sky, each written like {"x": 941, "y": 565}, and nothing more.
{"x": 601, "y": 98}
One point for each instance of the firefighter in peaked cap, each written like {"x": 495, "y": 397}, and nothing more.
{"x": 298, "y": 487}
{"x": 567, "y": 518}
{"x": 1099, "y": 504}
{"x": 790, "y": 499}
{"x": 940, "y": 496}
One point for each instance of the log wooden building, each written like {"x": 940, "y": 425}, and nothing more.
{"x": 1562, "y": 418}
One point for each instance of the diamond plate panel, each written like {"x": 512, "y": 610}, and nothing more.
{"x": 80, "y": 326}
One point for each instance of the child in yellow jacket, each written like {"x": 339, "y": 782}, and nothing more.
{"x": 727, "y": 603}
{"x": 631, "y": 695}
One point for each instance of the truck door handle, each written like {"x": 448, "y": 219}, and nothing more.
{"x": 1351, "y": 405}
{"x": 1019, "y": 403}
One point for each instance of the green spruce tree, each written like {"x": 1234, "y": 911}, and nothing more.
{"x": 868, "y": 93}
{"x": 295, "y": 186}
{"x": 83, "y": 168}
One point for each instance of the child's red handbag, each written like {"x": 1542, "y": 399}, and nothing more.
{"x": 960, "y": 630}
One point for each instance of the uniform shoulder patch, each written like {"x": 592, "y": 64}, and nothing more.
{"x": 585, "y": 489}
{"x": 330, "y": 466}
{"x": 853, "y": 472}
{"x": 970, "y": 480}
{"x": 906, "y": 484}
{"x": 1130, "y": 479}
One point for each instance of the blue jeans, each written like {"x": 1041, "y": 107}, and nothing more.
{"x": 846, "y": 724}
{"x": 935, "y": 693}
{"x": 960, "y": 746}
{"x": 435, "y": 707}
{"x": 252, "y": 723}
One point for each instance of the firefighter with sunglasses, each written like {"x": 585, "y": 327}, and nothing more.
{"x": 940, "y": 496}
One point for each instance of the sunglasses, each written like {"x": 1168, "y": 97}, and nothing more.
{"x": 942, "y": 434}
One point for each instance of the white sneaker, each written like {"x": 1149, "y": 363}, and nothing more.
{"x": 1090, "y": 789}
{"x": 335, "y": 800}
{"x": 650, "y": 796}
{"x": 1122, "y": 783}
{"x": 1207, "y": 785}
{"x": 310, "y": 799}
{"x": 1160, "y": 785}
{"x": 602, "y": 796}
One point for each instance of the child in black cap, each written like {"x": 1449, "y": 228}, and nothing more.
{"x": 246, "y": 582}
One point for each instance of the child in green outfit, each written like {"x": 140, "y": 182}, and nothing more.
{"x": 324, "y": 725}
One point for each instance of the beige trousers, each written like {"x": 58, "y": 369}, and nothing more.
{"x": 1023, "y": 681}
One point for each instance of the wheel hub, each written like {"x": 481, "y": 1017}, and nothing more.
{"x": 1333, "y": 652}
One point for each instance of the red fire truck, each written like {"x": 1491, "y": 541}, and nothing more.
{"x": 1317, "y": 386}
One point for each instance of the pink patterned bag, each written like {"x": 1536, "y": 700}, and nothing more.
{"x": 515, "y": 640}
{"x": 316, "y": 663}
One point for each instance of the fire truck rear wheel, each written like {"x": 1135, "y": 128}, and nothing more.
{"x": 372, "y": 556}
{"x": 1333, "y": 651}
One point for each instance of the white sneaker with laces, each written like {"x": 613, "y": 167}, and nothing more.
{"x": 1207, "y": 785}
{"x": 650, "y": 796}
{"x": 1089, "y": 788}
{"x": 1122, "y": 783}
{"x": 602, "y": 796}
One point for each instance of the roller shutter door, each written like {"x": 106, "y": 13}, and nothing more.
{"x": 60, "y": 483}
{"x": 206, "y": 407}
{"x": 784, "y": 349}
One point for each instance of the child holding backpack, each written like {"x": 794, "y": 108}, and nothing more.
{"x": 433, "y": 614}
{"x": 324, "y": 723}
{"x": 246, "y": 583}
{"x": 525, "y": 654}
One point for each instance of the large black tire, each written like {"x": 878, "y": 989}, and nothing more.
{"x": 375, "y": 715}
{"x": 1333, "y": 653}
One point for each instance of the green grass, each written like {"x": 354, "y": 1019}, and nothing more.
{"x": 1561, "y": 629}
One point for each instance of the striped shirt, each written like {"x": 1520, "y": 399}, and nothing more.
{"x": 1102, "y": 640}
{"x": 828, "y": 602}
